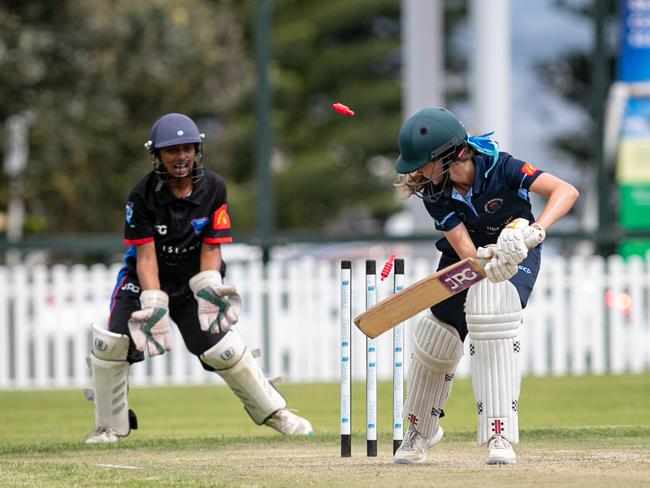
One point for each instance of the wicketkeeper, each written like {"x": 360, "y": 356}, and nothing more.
{"x": 478, "y": 196}
{"x": 176, "y": 220}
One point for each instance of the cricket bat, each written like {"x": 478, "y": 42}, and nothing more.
{"x": 422, "y": 294}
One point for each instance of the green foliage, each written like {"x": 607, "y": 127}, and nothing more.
{"x": 95, "y": 75}
{"x": 324, "y": 52}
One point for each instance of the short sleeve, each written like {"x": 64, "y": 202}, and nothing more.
{"x": 520, "y": 174}
{"x": 444, "y": 216}
{"x": 138, "y": 222}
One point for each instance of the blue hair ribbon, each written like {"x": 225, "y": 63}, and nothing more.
{"x": 485, "y": 145}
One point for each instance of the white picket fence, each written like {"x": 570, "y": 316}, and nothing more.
{"x": 570, "y": 325}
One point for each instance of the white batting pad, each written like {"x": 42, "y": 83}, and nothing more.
{"x": 493, "y": 316}
{"x": 236, "y": 365}
{"x": 110, "y": 379}
{"x": 437, "y": 349}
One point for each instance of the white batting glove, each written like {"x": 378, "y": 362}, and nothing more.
{"x": 149, "y": 326}
{"x": 511, "y": 244}
{"x": 484, "y": 254}
{"x": 219, "y": 304}
{"x": 497, "y": 269}
{"x": 534, "y": 235}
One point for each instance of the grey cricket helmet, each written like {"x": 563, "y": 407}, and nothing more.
{"x": 172, "y": 129}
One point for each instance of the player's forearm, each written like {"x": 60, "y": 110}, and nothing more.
{"x": 147, "y": 268}
{"x": 148, "y": 275}
{"x": 210, "y": 257}
{"x": 462, "y": 243}
{"x": 560, "y": 201}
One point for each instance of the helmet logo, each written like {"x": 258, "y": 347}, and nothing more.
{"x": 180, "y": 132}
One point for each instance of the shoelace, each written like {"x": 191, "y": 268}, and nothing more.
{"x": 410, "y": 438}
{"x": 498, "y": 443}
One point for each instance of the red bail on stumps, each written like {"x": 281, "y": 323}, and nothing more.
{"x": 342, "y": 109}
{"x": 387, "y": 267}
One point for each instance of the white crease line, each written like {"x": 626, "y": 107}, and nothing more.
{"x": 118, "y": 466}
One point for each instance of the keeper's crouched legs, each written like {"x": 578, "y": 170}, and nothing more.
{"x": 235, "y": 363}
{"x": 110, "y": 371}
{"x": 493, "y": 317}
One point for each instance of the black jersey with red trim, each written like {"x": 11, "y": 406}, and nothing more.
{"x": 498, "y": 196}
{"x": 178, "y": 226}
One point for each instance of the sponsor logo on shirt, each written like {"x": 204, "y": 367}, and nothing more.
{"x": 529, "y": 169}
{"x": 162, "y": 229}
{"x": 177, "y": 250}
{"x": 130, "y": 287}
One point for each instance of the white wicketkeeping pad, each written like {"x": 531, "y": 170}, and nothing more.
{"x": 234, "y": 362}
{"x": 110, "y": 380}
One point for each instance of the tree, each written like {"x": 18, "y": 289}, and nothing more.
{"x": 330, "y": 172}
{"x": 96, "y": 75}
{"x": 570, "y": 77}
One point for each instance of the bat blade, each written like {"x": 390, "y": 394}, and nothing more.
{"x": 419, "y": 296}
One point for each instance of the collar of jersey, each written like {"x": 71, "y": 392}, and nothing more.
{"x": 165, "y": 196}
{"x": 467, "y": 199}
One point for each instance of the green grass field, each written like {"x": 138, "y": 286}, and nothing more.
{"x": 575, "y": 431}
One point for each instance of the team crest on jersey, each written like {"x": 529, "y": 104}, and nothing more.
{"x": 494, "y": 205}
{"x": 129, "y": 212}
{"x": 529, "y": 169}
{"x": 198, "y": 224}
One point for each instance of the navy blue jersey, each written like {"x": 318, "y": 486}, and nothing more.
{"x": 177, "y": 226}
{"x": 498, "y": 196}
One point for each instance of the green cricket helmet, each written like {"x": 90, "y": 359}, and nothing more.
{"x": 433, "y": 133}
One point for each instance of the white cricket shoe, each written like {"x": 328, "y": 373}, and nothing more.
{"x": 413, "y": 449}
{"x": 500, "y": 451}
{"x": 102, "y": 435}
{"x": 289, "y": 423}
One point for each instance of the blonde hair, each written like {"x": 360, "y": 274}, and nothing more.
{"x": 407, "y": 185}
